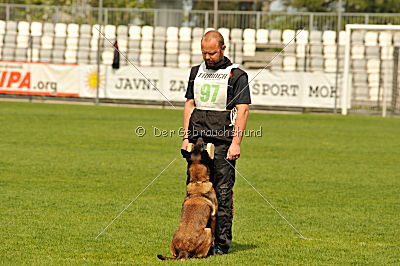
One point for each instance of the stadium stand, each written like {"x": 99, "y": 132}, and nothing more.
{"x": 146, "y": 46}
{"x": 185, "y": 38}
{"x": 275, "y": 36}
{"x": 22, "y": 41}
{"x": 196, "y": 56}
{"x": 311, "y": 51}
{"x": 262, "y": 36}
{"x": 225, "y": 33}
{"x": 159, "y": 46}
{"x": 84, "y": 44}
{"x": 236, "y": 45}
{"x": 172, "y": 46}
{"x": 180, "y": 47}
{"x": 134, "y": 34}
{"x": 249, "y": 42}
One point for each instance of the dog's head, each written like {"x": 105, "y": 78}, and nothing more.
{"x": 198, "y": 154}
{"x": 199, "y": 161}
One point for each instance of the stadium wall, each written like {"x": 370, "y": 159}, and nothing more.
{"x": 289, "y": 89}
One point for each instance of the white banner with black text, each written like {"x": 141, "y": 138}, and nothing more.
{"x": 291, "y": 89}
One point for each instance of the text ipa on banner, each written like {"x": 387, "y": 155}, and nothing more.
{"x": 39, "y": 79}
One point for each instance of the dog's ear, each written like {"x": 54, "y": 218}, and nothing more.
{"x": 205, "y": 158}
{"x": 185, "y": 154}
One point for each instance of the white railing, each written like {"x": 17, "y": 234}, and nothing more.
{"x": 193, "y": 18}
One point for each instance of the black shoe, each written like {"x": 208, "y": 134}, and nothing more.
{"x": 218, "y": 251}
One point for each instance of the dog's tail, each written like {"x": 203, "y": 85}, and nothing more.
{"x": 183, "y": 255}
{"x": 162, "y": 257}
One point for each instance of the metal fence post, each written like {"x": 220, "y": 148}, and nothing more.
{"x": 345, "y": 95}
{"x": 206, "y": 20}
{"x": 307, "y": 55}
{"x": 100, "y": 22}
{"x": 386, "y": 85}
{"x": 156, "y": 17}
{"x": 30, "y": 48}
{"x": 395, "y": 80}
{"x": 338, "y": 28}
{"x": 55, "y": 17}
{"x": 366, "y": 19}
{"x": 311, "y": 22}
{"x": 184, "y": 21}
{"x": 7, "y": 12}
{"x": 258, "y": 16}
{"x": 27, "y": 13}
{"x": 269, "y": 20}
{"x": 215, "y": 14}
{"x": 381, "y": 82}
{"x": 105, "y": 15}
{"x": 234, "y": 52}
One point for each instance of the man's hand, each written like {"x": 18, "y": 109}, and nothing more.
{"x": 240, "y": 125}
{"x": 185, "y": 144}
{"x": 233, "y": 151}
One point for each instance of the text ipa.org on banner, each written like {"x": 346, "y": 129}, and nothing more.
{"x": 39, "y": 79}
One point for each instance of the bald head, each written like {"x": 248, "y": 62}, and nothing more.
{"x": 213, "y": 35}
{"x": 212, "y": 47}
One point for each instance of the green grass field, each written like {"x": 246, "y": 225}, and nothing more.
{"x": 67, "y": 170}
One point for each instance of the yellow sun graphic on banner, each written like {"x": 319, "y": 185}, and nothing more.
{"x": 91, "y": 81}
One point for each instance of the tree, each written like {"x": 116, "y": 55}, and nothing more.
{"x": 209, "y": 5}
{"x": 310, "y": 5}
{"x": 374, "y": 6}
{"x": 93, "y": 3}
{"x": 367, "y": 6}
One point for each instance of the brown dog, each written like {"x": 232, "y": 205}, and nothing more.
{"x": 195, "y": 235}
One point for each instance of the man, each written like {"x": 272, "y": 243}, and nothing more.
{"x": 216, "y": 109}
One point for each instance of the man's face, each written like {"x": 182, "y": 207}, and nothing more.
{"x": 212, "y": 53}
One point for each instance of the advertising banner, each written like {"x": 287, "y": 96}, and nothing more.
{"x": 294, "y": 89}
{"x": 176, "y": 83}
{"x": 39, "y": 79}
{"x": 130, "y": 83}
{"x": 88, "y": 81}
{"x": 291, "y": 89}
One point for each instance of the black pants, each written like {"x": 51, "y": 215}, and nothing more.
{"x": 223, "y": 179}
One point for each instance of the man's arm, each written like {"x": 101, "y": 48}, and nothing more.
{"x": 240, "y": 126}
{"x": 187, "y": 112}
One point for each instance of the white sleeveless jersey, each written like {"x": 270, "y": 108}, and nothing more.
{"x": 211, "y": 88}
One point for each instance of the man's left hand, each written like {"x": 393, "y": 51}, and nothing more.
{"x": 233, "y": 152}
